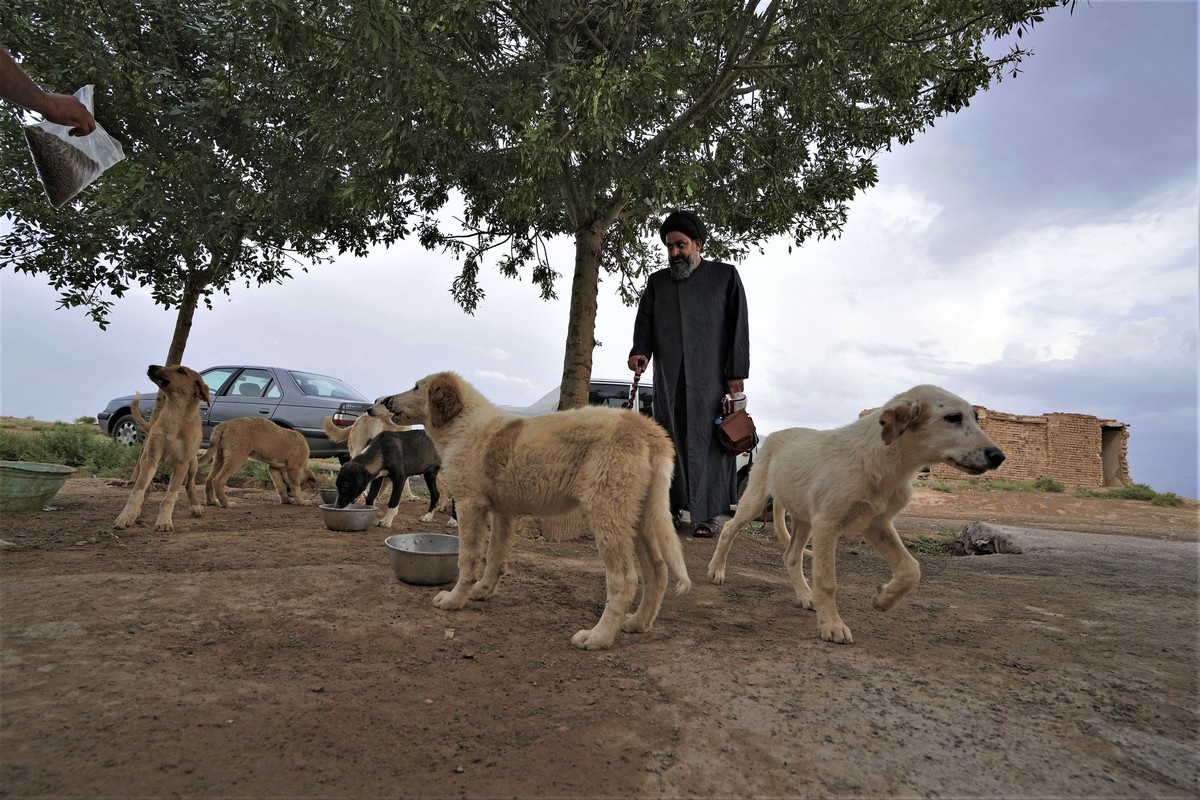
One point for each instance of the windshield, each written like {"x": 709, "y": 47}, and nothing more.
{"x": 324, "y": 386}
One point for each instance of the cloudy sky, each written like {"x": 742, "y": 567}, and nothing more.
{"x": 1035, "y": 253}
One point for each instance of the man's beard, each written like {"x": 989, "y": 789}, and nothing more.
{"x": 682, "y": 267}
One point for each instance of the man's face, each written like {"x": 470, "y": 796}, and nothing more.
{"x": 683, "y": 254}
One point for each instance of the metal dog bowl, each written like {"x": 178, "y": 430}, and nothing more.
{"x": 351, "y": 518}
{"x": 328, "y": 495}
{"x": 29, "y": 485}
{"x": 424, "y": 559}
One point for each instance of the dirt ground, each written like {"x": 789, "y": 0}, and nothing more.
{"x": 253, "y": 653}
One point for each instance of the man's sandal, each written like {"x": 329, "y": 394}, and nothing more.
{"x": 704, "y": 530}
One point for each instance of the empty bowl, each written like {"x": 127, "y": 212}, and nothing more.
{"x": 351, "y": 518}
{"x": 424, "y": 559}
{"x": 328, "y": 495}
{"x": 29, "y": 485}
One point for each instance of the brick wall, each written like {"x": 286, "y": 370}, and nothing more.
{"x": 1075, "y": 449}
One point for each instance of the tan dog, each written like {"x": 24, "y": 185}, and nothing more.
{"x": 172, "y": 438}
{"x": 854, "y": 480}
{"x": 359, "y": 435}
{"x": 615, "y": 465}
{"x": 284, "y": 451}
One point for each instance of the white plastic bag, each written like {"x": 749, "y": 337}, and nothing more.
{"x": 68, "y": 164}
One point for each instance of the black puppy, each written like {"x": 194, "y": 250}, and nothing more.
{"x": 397, "y": 454}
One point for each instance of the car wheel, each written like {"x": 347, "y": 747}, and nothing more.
{"x": 125, "y": 431}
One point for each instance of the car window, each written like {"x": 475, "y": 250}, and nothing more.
{"x": 324, "y": 386}
{"x": 251, "y": 383}
{"x": 215, "y": 378}
{"x": 646, "y": 400}
{"x": 607, "y": 394}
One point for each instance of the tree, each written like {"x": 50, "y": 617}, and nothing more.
{"x": 220, "y": 184}
{"x": 593, "y": 119}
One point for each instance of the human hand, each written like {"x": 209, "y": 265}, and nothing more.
{"x": 638, "y": 364}
{"x": 65, "y": 109}
{"x": 735, "y": 385}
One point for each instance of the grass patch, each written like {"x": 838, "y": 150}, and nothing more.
{"x": 1137, "y": 491}
{"x": 1004, "y": 485}
{"x": 932, "y": 545}
{"x": 78, "y": 444}
{"x": 939, "y": 486}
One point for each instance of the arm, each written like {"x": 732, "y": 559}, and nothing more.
{"x": 63, "y": 109}
{"x": 643, "y": 332}
{"x": 737, "y": 327}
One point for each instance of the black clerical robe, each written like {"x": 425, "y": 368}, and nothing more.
{"x": 696, "y": 333}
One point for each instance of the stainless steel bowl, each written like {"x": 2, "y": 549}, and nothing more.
{"x": 351, "y": 518}
{"x": 424, "y": 559}
{"x": 328, "y": 495}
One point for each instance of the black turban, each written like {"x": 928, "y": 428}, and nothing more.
{"x": 686, "y": 223}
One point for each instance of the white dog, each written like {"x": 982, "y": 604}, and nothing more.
{"x": 855, "y": 480}
{"x": 615, "y": 465}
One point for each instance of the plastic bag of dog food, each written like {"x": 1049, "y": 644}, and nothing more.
{"x": 66, "y": 164}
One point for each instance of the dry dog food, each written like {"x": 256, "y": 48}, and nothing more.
{"x": 64, "y": 169}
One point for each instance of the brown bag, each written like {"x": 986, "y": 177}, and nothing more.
{"x": 736, "y": 432}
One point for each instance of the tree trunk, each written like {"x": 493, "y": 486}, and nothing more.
{"x": 183, "y": 322}
{"x": 581, "y": 325}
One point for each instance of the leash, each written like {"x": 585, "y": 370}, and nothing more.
{"x": 637, "y": 376}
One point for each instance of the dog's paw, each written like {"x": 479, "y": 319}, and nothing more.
{"x": 427, "y": 517}
{"x": 889, "y": 594}
{"x": 383, "y": 522}
{"x": 453, "y": 523}
{"x": 633, "y": 624}
{"x": 197, "y": 510}
{"x": 716, "y": 574}
{"x": 805, "y": 601}
{"x": 164, "y": 526}
{"x": 122, "y": 523}
{"x": 835, "y": 632}
{"x": 483, "y": 591}
{"x": 589, "y": 639}
{"x": 448, "y": 601}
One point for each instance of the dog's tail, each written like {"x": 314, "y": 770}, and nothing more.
{"x": 779, "y": 513}
{"x": 779, "y": 516}
{"x": 335, "y": 433}
{"x": 213, "y": 444}
{"x": 657, "y": 518}
{"x": 136, "y": 413}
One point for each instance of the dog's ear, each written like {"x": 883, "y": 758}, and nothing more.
{"x": 444, "y": 400}
{"x": 202, "y": 390}
{"x": 895, "y": 420}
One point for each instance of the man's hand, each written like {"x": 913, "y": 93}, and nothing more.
{"x": 638, "y": 364}
{"x": 66, "y": 109}
{"x": 735, "y": 385}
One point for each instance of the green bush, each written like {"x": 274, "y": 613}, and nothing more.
{"x": 1044, "y": 484}
{"x": 75, "y": 445}
{"x": 1137, "y": 491}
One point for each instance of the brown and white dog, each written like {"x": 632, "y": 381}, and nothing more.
{"x": 172, "y": 438}
{"x": 614, "y": 465}
{"x": 854, "y": 480}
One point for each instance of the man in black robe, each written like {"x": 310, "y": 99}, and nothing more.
{"x": 692, "y": 322}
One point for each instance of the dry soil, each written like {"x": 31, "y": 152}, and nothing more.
{"x": 253, "y": 653}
